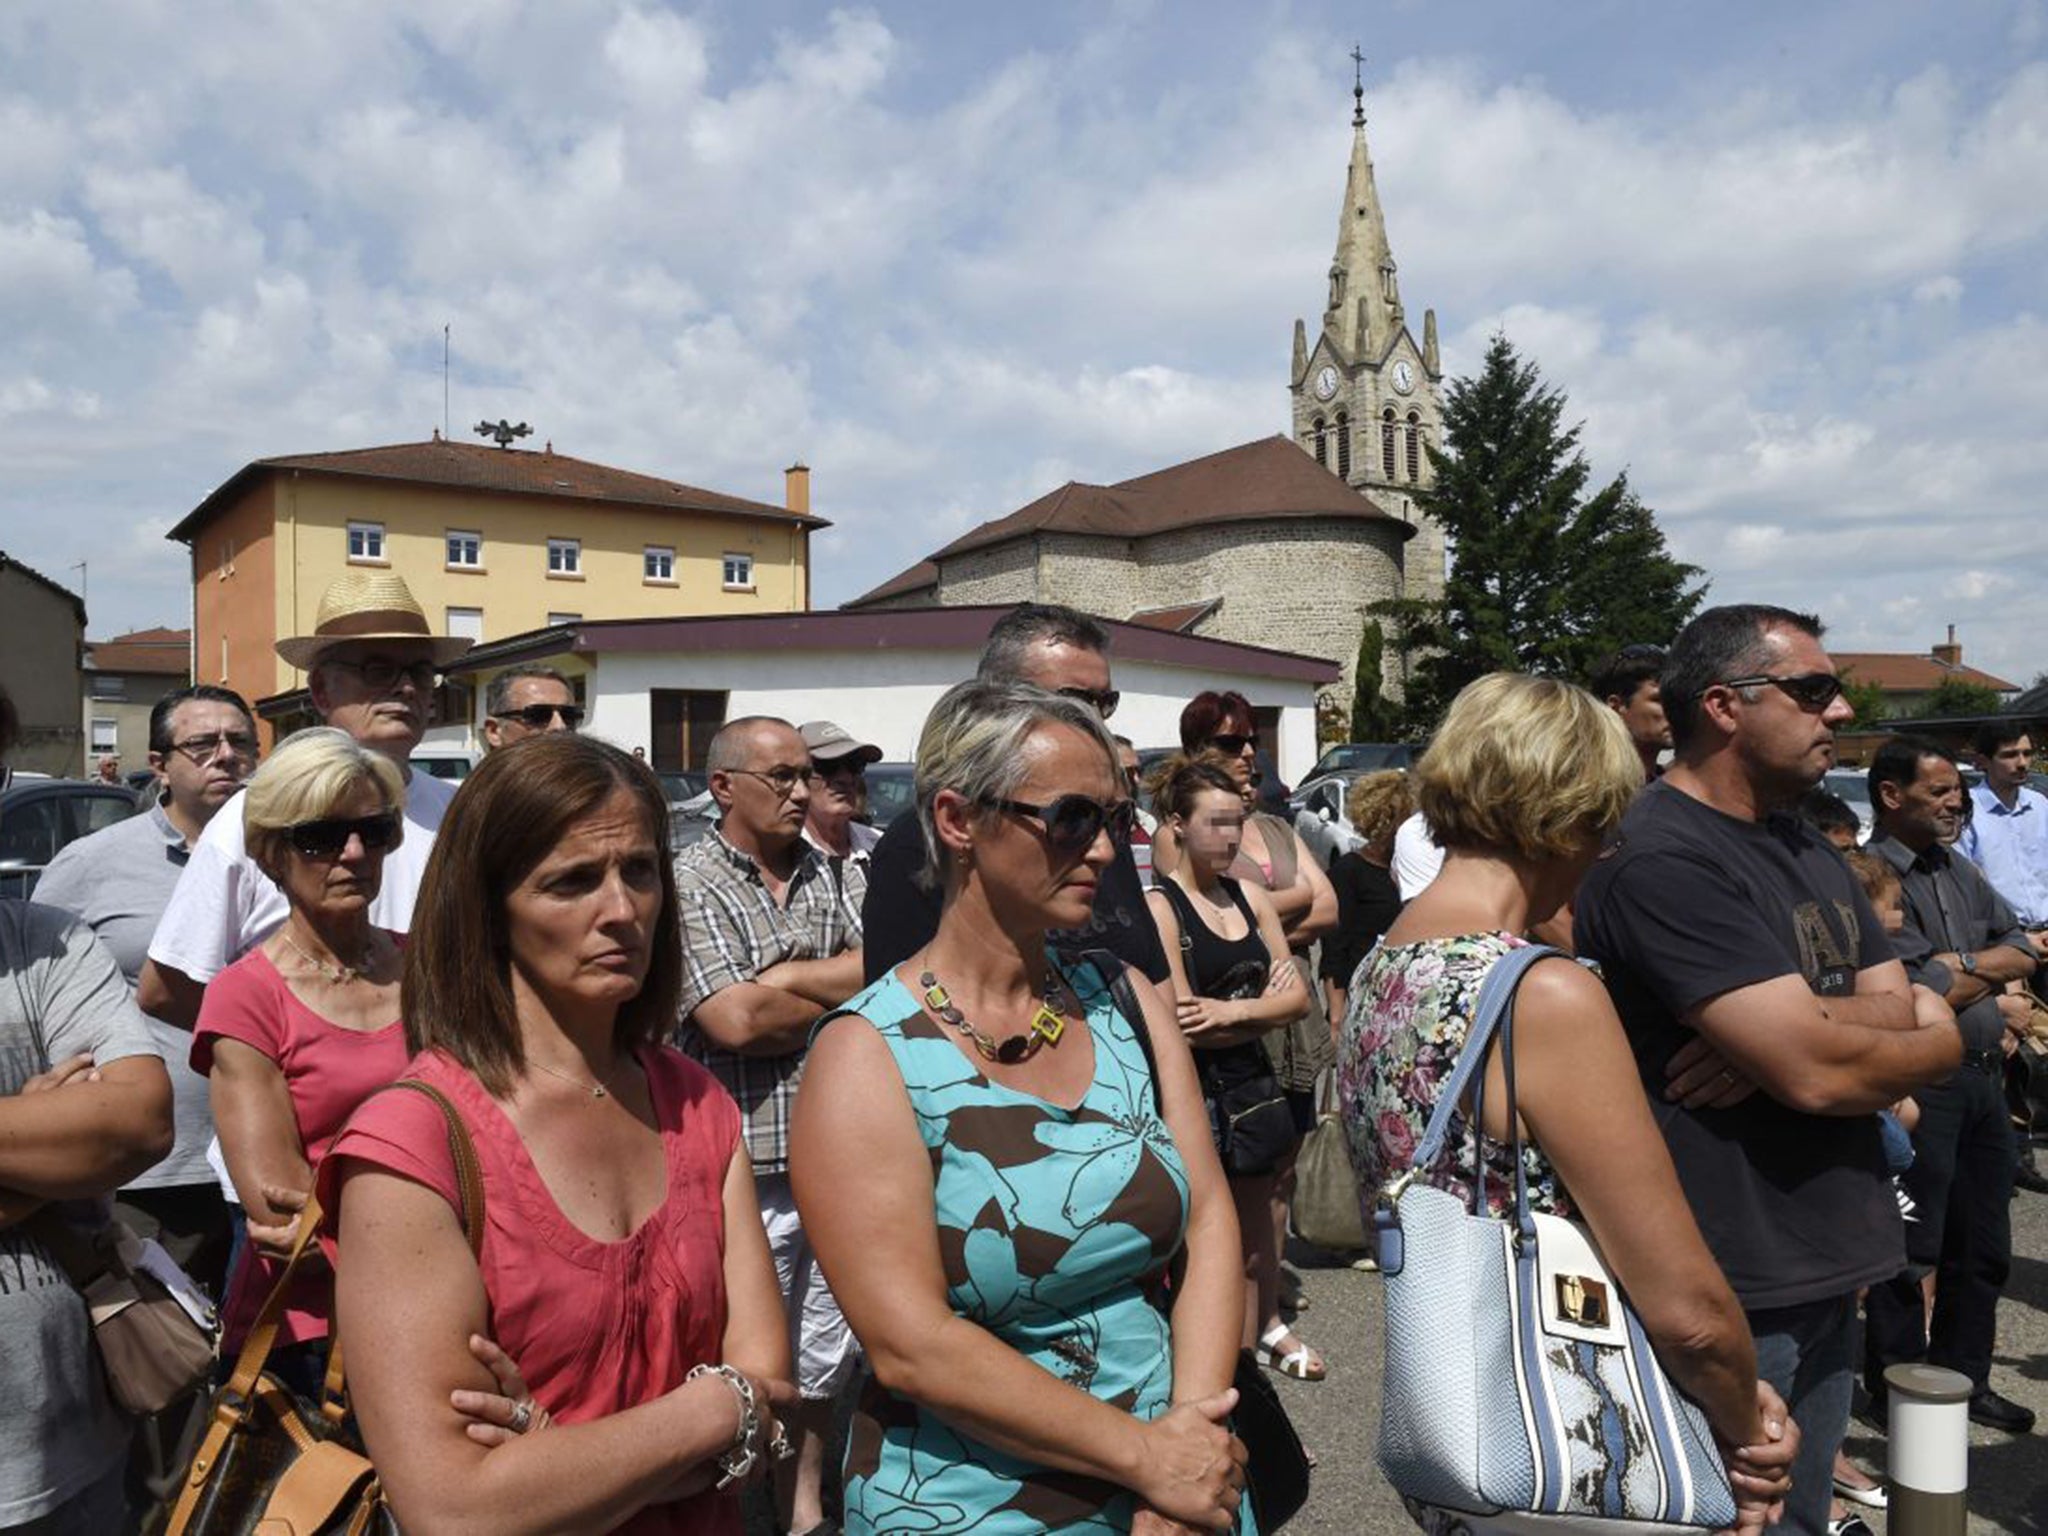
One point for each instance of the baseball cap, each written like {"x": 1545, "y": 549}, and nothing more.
{"x": 828, "y": 742}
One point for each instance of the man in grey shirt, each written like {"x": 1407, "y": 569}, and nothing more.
{"x": 84, "y": 1107}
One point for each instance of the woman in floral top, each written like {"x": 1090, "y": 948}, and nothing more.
{"x": 1527, "y": 779}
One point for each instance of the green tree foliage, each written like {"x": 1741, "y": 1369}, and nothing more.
{"x": 1371, "y": 716}
{"x": 1544, "y": 578}
{"x": 1867, "y": 699}
{"x": 1956, "y": 697}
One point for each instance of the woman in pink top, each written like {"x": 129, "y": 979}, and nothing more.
{"x": 296, "y": 1033}
{"x": 640, "y": 1347}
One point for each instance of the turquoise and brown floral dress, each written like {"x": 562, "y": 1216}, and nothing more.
{"x": 1052, "y": 1224}
{"x": 1409, "y": 1012}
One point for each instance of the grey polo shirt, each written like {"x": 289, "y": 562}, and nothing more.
{"x": 1950, "y": 909}
{"x": 118, "y": 882}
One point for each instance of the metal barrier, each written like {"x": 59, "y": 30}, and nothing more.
{"x": 1928, "y": 1459}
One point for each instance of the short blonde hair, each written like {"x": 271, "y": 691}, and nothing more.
{"x": 973, "y": 744}
{"x": 1528, "y": 766}
{"x": 1378, "y": 803}
{"x": 305, "y": 779}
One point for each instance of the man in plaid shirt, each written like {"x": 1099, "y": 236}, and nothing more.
{"x": 770, "y": 943}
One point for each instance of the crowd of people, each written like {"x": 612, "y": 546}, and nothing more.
{"x": 984, "y": 1125}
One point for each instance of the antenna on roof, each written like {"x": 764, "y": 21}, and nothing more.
{"x": 502, "y": 430}
{"x": 1357, "y": 87}
{"x": 444, "y": 381}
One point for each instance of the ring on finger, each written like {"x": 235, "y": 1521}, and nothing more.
{"x": 522, "y": 1416}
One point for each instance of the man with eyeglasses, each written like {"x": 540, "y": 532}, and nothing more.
{"x": 528, "y": 701}
{"x": 838, "y": 795}
{"x": 1768, "y": 1014}
{"x": 769, "y": 945}
{"x": 1062, "y": 651}
{"x": 371, "y": 664}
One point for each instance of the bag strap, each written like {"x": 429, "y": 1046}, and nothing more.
{"x": 469, "y": 1173}
{"x": 1496, "y": 1002}
{"x": 1113, "y": 970}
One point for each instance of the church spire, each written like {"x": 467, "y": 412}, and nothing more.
{"x": 1364, "y": 313}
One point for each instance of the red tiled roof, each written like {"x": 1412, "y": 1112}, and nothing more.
{"x": 476, "y": 467}
{"x": 1896, "y": 673}
{"x": 159, "y": 652}
{"x": 1179, "y": 620}
{"x": 1270, "y": 478}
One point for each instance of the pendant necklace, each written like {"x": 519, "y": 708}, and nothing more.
{"x": 340, "y": 974}
{"x": 1046, "y": 1025}
{"x": 595, "y": 1090}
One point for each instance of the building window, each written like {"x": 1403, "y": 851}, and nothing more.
{"x": 557, "y": 620}
{"x": 1387, "y": 443}
{"x": 106, "y": 736}
{"x": 465, "y": 550}
{"x": 111, "y": 686}
{"x": 466, "y": 624}
{"x": 227, "y": 558}
{"x": 366, "y": 541}
{"x": 1322, "y": 441}
{"x": 1414, "y": 446}
{"x": 1343, "y": 445}
{"x": 739, "y": 573}
{"x": 565, "y": 557}
{"x": 660, "y": 563}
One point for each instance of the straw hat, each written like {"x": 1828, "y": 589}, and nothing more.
{"x": 367, "y": 605}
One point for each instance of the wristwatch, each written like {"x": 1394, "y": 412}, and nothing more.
{"x": 1968, "y": 960}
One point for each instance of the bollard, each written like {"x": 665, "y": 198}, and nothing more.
{"x": 1928, "y": 1460}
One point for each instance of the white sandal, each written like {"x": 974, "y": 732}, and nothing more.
{"x": 1295, "y": 1363}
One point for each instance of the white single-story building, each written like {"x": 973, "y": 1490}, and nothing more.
{"x": 666, "y": 685}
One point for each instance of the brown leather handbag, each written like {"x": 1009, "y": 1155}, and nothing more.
{"x": 273, "y": 1465}
{"x": 154, "y": 1349}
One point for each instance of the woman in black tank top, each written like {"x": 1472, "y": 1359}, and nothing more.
{"x": 1235, "y": 982}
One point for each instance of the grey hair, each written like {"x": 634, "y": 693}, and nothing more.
{"x": 728, "y": 749}
{"x": 973, "y": 744}
{"x": 500, "y": 687}
{"x": 1033, "y": 624}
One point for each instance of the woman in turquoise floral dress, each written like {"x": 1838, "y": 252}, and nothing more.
{"x": 982, "y": 1166}
{"x": 1526, "y": 781}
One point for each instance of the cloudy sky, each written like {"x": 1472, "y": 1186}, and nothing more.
{"x": 1787, "y": 261}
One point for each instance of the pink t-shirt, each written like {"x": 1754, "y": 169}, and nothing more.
{"x": 328, "y": 1070}
{"x": 596, "y": 1328}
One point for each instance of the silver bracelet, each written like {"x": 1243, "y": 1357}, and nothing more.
{"x": 738, "y": 1461}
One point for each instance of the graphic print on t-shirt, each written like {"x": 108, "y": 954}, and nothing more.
{"x": 1827, "y": 958}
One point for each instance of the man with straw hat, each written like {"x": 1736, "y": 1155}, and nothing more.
{"x": 371, "y": 664}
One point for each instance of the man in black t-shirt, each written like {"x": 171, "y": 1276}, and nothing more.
{"x": 1766, "y": 1012}
{"x": 1064, "y": 652}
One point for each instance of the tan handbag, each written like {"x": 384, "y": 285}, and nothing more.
{"x": 1326, "y": 1206}
{"x": 153, "y": 1348}
{"x": 271, "y": 1465}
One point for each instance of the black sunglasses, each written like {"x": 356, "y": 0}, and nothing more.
{"x": 1073, "y": 822}
{"x": 1811, "y": 691}
{"x": 540, "y": 716}
{"x": 328, "y": 838}
{"x": 1103, "y": 703}
{"x": 1231, "y": 745}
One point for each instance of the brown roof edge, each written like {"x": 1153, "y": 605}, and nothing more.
{"x": 902, "y": 629}
{"x": 8, "y": 562}
{"x": 921, "y": 577}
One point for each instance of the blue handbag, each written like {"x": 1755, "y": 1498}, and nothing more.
{"x": 1521, "y": 1393}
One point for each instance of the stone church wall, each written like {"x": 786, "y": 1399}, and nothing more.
{"x": 1002, "y": 573}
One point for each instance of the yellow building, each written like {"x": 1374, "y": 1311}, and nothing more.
{"x": 492, "y": 541}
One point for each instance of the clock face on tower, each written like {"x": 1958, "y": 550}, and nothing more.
{"x": 1404, "y": 376}
{"x": 1326, "y": 382}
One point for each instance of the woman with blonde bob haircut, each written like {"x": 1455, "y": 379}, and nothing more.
{"x": 993, "y": 1182}
{"x": 1527, "y": 778}
{"x": 296, "y": 1033}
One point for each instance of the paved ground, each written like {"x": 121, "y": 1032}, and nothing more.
{"x": 1339, "y": 1417}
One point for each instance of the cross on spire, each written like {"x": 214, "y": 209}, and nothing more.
{"x": 1357, "y": 87}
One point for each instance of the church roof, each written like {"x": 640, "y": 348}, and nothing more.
{"x": 1269, "y": 478}
{"x": 476, "y": 467}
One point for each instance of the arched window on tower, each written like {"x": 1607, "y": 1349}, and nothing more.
{"x": 1322, "y": 442}
{"x": 1414, "y": 446}
{"x": 1344, "y": 445}
{"x": 1387, "y": 443}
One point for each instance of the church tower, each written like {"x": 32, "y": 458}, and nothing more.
{"x": 1367, "y": 399}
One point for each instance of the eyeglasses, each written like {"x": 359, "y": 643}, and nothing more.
{"x": 539, "y": 717}
{"x": 1811, "y": 691}
{"x": 380, "y": 672}
{"x": 204, "y": 749}
{"x": 1231, "y": 745}
{"x": 328, "y": 839}
{"x": 782, "y": 780}
{"x": 1103, "y": 703}
{"x": 1073, "y": 822}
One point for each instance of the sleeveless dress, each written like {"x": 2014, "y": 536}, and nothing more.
{"x": 1051, "y": 1224}
{"x": 1304, "y": 1049}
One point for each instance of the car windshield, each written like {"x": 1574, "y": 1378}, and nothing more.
{"x": 1364, "y": 757}
{"x": 891, "y": 791}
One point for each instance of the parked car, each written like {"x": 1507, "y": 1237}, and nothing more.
{"x": 455, "y": 763}
{"x": 1853, "y": 786}
{"x": 38, "y": 816}
{"x": 683, "y": 783}
{"x": 1317, "y": 811}
{"x": 892, "y": 790}
{"x": 690, "y": 820}
{"x": 1356, "y": 757}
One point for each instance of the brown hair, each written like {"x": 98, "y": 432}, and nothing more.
{"x": 509, "y": 815}
{"x": 1378, "y": 803}
{"x": 1177, "y": 780}
{"x": 1871, "y": 871}
{"x": 1209, "y": 712}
